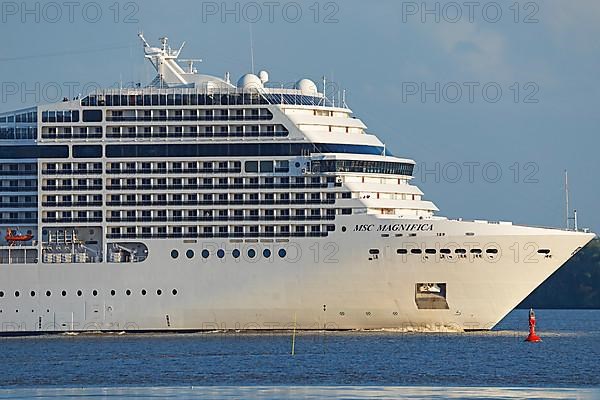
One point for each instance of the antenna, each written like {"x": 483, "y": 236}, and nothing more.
{"x": 143, "y": 39}
{"x": 251, "y": 47}
{"x": 567, "y": 197}
{"x": 180, "y": 49}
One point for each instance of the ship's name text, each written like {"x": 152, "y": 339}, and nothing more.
{"x": 393, "y": 228}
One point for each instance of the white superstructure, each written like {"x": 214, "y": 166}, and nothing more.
{"x": 197, "y": 204}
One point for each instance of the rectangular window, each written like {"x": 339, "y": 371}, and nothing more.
{"x": 87, "y": 151}
{"x": 92, "y": 116}
{"x": 266, "y": 166}
{"x": 251, "y": 166}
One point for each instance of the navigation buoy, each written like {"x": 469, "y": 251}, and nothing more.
{"x": 533, "y": 337}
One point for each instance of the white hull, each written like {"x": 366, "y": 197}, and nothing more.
{"x": 334, "y": 287}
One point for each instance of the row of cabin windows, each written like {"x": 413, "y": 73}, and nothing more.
{"x": 68, "y": 168}
{"x": 176, "y": 167}
{"x": 5, "y": 200}
{"x": 94, "y": 293}
{"x": 18, "y": 184}
{"x": 207, "y": 131}
{"x": 232, "y": 196}
{"x": 143, "y": 214}
{"x": 173, "y": 99}
{"x": 15, "y": 217}
{"x": 445, "y": 251}
{"x": 263, "y": 180}
{"x": 236, "y": 253}
{"x": 72, "y": 214}
{"x": 449, "y": 251}
{"x": 18, "y": 133}
{"x": 21, "y": 118}
{"x": 222, "y": 229}
{"x": 193, "y": 99}
{"x": 67, "y": 200}
{"x": 49, "y": 184}
{"x": 67, "y": 132}
{"x": 16, "y": 167}
{"x": 189, "y": 114}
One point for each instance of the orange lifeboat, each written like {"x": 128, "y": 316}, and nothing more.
{"x": 13, "y": 236}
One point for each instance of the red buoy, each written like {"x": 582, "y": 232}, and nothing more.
{"x": 533, "y": 337}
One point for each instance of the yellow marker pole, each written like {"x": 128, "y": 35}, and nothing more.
{"x": 294, "y": 337}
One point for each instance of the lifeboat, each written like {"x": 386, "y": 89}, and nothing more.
{"x": 13, "y": 236}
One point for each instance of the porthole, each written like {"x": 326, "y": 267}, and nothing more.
{"x": 251, "y": 253}
{"x": 144, "y": 292}
{"x": 79, "y": 293}
{"x": 475, "y": 251}
{"x": 343, "y": 229}
{"x": 189, "y": 254}
{"x": 32, "y": 293}
{"x": 544, "y": 251}
{"x": 174, "y": 292}
{"x": 95, "y": 293}
{"x": 266, "y": 253}
{"x": 492, "y": 251}
{"x": 416, "y": 251}
{"x": 282, "y": 253}
{"x": 113, "y": 293}
{"x": 17, "y": 294}
{"x": 64, "y": 293}
{"x": 159, "y": 292}
{"x": 205, "y": 253}
{"x": 1, "y": 294}
{"x": 430, "y": 251}
{"x": 297, "y": 165}
{"x": 460, "y": 251}
{"x": 48, "y": 293}
{"x": 445, "y": 251}
{"x": 128, "y": 292}
{"x": 174, "y": 254}
{"x": 402, "y": 251}
{"x": 220, "y": 253}
{"x": 236, "y": 253}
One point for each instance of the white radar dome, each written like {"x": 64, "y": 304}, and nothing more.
{"x": 250, "y": 82}
{"x": 306, "y": 86}
{"x": 264, "y": 76}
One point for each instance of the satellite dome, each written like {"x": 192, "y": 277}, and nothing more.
{"x": 264, "y": 76}
{"x": 306, "y": 86}
{"x": 250, "y": 82}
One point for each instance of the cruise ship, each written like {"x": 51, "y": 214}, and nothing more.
{"x": 197, "y": 204}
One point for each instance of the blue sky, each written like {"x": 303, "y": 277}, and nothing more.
{"x": 545, "y": 60}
